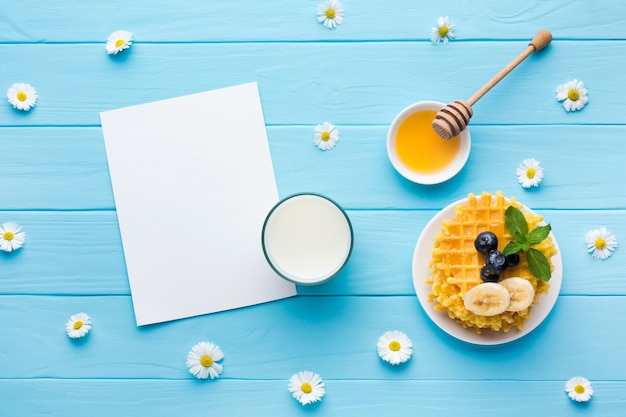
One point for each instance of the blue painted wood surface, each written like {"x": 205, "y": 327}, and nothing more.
{"x": 54, "y": 181}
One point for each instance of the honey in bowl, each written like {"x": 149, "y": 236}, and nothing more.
{"x": 420, "y": 148}
{"x": 418, "y": 153}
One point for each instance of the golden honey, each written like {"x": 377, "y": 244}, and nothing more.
{"x": 419, "y": 148}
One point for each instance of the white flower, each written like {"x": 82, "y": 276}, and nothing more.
{"x": 326, "y": 136}
{"x": 529, "y": 173}
{"x": 579, "y": 389}
{"x": 600, "y": 243}
{"x": 443, "y": 32}
{"x": 78, "y": 325}
{"x": 330, "y": 13}
{"x": 574, "y": 93}
{"x": 11, "y": 236}
{"x": 118, "y": 41}
{"x": 395, "y": 347}
{"x": 306, "y": 387}
{"x": 202, "y": 360}
{"x": 22, "y": 96}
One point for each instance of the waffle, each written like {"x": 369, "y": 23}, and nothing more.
{"x": 455, "y": 264}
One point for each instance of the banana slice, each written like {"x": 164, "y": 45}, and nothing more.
{"x": 487, "y": 299}
{"x": 521, "y": 291}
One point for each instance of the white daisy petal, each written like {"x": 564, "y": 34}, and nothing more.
{"x": 573, "y": 94}
{"x": 444, "y": 32}
{"x": 307, "y": 387}
{"x": 600, "y": 243}
{"x": 568, "y": 105}
{"x": 11, "y": 237}
{"x": 330, "y": 13}
{"x": 22, "y": 96}
{"x": 394, "y": 347}
{"x": 118, "y": 41}
{"x": 202, "y": 360}
{"x": 78, "y": 325}
{"x": 529, "y": 173}
{"x": 579, "y": 389}
{"x": 325, "y": 136}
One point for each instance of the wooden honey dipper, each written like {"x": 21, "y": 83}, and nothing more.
{"x": 454, "y": 117}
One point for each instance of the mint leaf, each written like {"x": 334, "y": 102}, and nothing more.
{"x": 520, "y": 238}
{"x": 538, "y": 264}
{"x": 518, "y": 227}
{"x": 515, "y": 222}
{"x": 511, "y": 248}
{"x": 538, "y": 234}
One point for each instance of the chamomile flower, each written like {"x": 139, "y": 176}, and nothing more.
{"x": 395, "y": 347}
{"x": 22, "y": 96}
{"x": 529, "y": 173}
{"x": 118, "y": 41}
{"x": 443, "y": 32}
{"x": 326, "y": 136}
{"x": 306, "y": 387}
{"x": 579, "y": 389}
{"x": 78, "y": 325}
{"x": 202, "y": 360}
{"x": 573, "y": 94}
{"x": 600, "y": 243}
{"x": 11, "y": 236}
{"x": 330, "y": 13}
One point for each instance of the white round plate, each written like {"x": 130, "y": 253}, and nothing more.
{"x": 421, "y": 272}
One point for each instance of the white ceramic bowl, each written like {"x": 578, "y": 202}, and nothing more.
{"x": 446, "y": 172}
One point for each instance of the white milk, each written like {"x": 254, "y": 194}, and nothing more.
{"x": 307, "y": 238}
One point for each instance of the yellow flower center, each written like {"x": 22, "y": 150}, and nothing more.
{"x": 573, "y": 94}
{"x": 21, "y": 96}
{"x": 394, "y": 345}
{"x": 119, "y": 43}
{"x": 580, "y": 389}
{"x": 306, "y": 388}
{"x": 206, "y": 361}
{"x": 600, "y": 243}
{"x": 530, "y": 172}
{"x": 78, "y": 324}
{"x": 330, "y": 13}
{"x": 325, "y": 136}
{"x": 443, "y": 31}
{"x": 8, "y": 236}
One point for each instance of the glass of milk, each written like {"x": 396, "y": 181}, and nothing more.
{"x": 307, "y": 238}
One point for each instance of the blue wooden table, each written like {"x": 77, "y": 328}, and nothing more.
{"x": 54, "y": 181}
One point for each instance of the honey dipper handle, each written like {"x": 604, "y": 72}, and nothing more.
{"x": 540, "y": 41}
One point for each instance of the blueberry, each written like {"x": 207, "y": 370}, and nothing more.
{"x": 512, "y": 259}
{"x": 487, "y": 275}
{"x": 496, "y": 261}
{"x": 486, "y": 242}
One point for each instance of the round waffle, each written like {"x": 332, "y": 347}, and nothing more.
{"x": 455, "y": 264}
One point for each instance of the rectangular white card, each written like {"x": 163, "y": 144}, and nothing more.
{"x": 193, "y": 181}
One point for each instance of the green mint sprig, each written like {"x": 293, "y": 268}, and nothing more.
{"x": 516, "y": 224}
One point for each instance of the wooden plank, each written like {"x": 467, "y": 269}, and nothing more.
{"x": 54, "y": 169}
{"x": 66, "y": 168}
{"x": 358, "y": 172}
{"x": 248, "y": 20}
{"x": 307, "y": 83}
{"x": 334, "y": 336}
{"x": 81, "y": 253}
{"x": 103, "y": 398}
